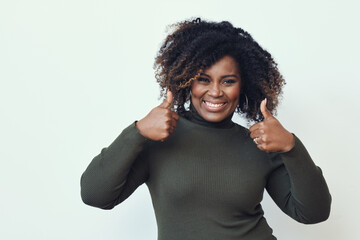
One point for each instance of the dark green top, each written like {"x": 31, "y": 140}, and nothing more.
{"x": 207, "y": 181}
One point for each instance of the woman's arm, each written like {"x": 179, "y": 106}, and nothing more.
{"x": 296, "y": 184}
{"x": 119, "y": 169}
{"x": 298, "y": 187}
{"x": 116, "y": 172}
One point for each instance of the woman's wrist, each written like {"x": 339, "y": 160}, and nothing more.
{"x": 290, "y": 142}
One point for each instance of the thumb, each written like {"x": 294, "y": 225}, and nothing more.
{"x": 265, "y": 112}
{"x": 167, "y": 102}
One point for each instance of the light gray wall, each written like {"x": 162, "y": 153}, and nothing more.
{"x": 74, "y": 73}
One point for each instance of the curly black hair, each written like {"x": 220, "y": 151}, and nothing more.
{"x": 194, "y": 45}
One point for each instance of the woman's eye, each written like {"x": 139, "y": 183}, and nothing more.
{"x": 203, "y": 80}
{"x": 230, "y": 81}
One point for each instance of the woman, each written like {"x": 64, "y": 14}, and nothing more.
{"x": 206, "y": 174}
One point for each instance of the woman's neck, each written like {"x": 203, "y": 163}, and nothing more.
{"x": 195, "y": 117}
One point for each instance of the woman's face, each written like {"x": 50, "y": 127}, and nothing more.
{"x": 215, "y": 94}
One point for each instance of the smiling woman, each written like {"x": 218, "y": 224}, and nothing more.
{"x": 205, "y": 173}
{"x": 195, "y": 46}
{"x": 215, "y": 94}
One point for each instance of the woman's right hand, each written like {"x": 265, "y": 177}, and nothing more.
{"x": 160, "y": 122}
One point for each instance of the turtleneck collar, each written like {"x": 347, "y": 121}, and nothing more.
{"x": 195, "y": 117}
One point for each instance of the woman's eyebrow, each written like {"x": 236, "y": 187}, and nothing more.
{"x": 231, "y": 75}
{"x": 224, "y": 76}
{"x": 204, "y": 74}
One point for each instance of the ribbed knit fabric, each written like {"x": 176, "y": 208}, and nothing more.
{"x": 207, "y": 180}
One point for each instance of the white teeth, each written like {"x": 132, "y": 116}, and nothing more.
{"x": 213, "y": 104}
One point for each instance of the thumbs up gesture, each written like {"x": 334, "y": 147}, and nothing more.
{"x": 160, "y": 122}
{"x": 269, "y": 135}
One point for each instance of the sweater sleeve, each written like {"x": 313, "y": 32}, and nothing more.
{"x": 298, "y": 187}
{"x": 116, "y": 172}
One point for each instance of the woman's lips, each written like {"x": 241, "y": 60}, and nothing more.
{"x": 214, "y": 106}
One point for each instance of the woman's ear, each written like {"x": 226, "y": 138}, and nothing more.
{"x": 188, "y": 98}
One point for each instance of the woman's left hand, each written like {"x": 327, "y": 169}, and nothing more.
{"x": 269, "y": 135}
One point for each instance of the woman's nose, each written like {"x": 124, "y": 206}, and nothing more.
{"x": 215, "y": 90}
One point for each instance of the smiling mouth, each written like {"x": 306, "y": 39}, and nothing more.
{"x": 214, "y": 106}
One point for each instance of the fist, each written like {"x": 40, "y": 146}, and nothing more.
{"x": 269, "y": 135}
{"x": 160, "y": 122}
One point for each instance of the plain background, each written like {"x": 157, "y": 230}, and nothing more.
{"x": 74, "y": 73}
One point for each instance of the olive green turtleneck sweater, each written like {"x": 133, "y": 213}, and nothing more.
{"x": 207, "y": 180}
